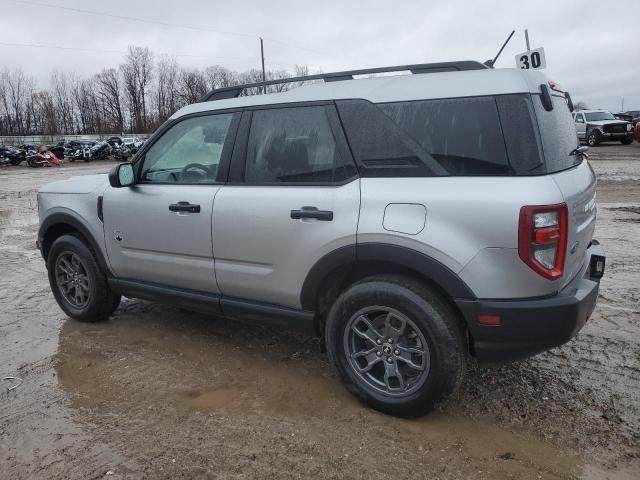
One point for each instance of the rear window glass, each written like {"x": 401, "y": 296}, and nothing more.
{"x": 463, "y": 134}
{"x": 558, "y": 134}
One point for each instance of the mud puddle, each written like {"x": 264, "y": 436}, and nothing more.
{"x": 255, "y": 397}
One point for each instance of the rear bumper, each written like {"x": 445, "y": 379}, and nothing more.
{"x": 531, "y": 326}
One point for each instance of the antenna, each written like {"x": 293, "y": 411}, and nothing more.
{"x": 491, "y": 63}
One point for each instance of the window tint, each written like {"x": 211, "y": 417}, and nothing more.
{"x": 189, "y": 152}
{"x": 293, "y": 145}
{"x": 558, "y": 134}
{"x": 381, "y": 147}
{"x": 521, "y": 135}
{"x": 462, "y": 134}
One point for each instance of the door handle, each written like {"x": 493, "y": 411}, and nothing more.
{"x": 312, "y": 212}
{"x": 184, "y": 207}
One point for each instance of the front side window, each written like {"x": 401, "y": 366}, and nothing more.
{"x": 293, "y": 145}
{"x": 579, "y": 118}
{"x": 189, "y": 152}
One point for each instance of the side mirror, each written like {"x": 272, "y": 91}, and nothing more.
{"x": 122, "y": 175}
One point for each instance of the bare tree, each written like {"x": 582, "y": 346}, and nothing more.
{"x": 136, "y": 97}
{"x": 62, "y": 96}
{"x": 167, "y": 84}
{"x": 86, "y": 105}
{"x": 137, "y": 74}
{"x": 250, "y": 76}
{"x": 15, "y": 92}
{"x": 109, "y": 93}
{"x": 220, "y": 77}
{"x": 43, "y": 111}
{"x": 193, "y": 85}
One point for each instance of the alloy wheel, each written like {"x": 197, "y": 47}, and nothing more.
{"x": 72, "y": 279}
{"x": 387, "y": 351}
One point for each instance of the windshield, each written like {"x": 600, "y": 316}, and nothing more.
{"x": 598, "y": 116}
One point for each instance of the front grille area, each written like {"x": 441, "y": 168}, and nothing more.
{"x": 615, "y": 128}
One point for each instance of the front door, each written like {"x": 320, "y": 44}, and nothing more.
{"x": 159, "y": 229}
{"x": 296, "y": 199}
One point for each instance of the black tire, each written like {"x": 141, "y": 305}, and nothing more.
{"x": 627, "y": 140}
{"x": 101, "y": 301}
{"x": 436, "y": 321}
{"x": 594, "y": 138}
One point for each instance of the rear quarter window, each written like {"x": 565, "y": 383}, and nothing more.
{"x": 463, "y": 135}
{"x": 557, "y": 133}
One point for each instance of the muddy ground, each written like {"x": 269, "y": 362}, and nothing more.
{"x": 160, "y": 393}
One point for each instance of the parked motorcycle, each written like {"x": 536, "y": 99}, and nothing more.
{"x": 11, "y": 155}
{"x": 43, "y": 158}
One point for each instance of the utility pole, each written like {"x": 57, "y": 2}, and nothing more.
{"x": 526, "y": 37}
{"x": 264, "y": 77}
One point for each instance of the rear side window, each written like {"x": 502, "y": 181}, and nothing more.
{"x": 463, "y": 135}
{"x": 558, "y": 134}
{"x": 293, "y": 145}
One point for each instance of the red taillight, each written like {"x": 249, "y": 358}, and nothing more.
{"x": 542, "y": 238}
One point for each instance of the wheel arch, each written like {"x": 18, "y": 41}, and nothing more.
{"x": 344, "y": 266}
{"x": 58, "y": 224}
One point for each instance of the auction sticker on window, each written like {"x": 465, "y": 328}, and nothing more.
{"x": 531, "y": 60}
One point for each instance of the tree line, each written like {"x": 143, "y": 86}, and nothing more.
{"x": 137, "y": 96}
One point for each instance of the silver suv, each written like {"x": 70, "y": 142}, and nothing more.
{"x": 408, "y": 220}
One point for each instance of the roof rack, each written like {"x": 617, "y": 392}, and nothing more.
{"x": 236, "y": 90}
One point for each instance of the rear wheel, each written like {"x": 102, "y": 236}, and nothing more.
{"x": 627, "y": 140}
{"x": 593, "y": 139}
{"x": 77, "y": 283}
{"x": 396, "y": 345}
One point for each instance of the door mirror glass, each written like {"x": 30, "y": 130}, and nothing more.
{"x": 122, "y": 175}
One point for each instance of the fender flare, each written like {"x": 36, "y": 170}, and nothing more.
{"x": 60, "y": 218}
{"x": 362, "y": 253}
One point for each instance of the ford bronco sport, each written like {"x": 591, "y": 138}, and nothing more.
{"x": 408, "y": 220}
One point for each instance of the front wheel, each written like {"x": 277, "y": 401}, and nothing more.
{"x": 77, "y": 282}
{"x": 593, "y": 139}
{"x": 627, "y": 140}
{"x": 396, "y": 345}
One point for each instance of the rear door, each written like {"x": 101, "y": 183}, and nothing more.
{"x": 159, "y": 230}
{"x": 293, "y": 196}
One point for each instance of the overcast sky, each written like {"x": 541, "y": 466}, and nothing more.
{"x": 592, "y": 48}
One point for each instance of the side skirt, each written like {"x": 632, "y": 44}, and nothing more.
{"x": 210, "y": 303}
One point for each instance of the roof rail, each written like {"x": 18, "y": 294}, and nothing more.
{"x": 236, "y": 90}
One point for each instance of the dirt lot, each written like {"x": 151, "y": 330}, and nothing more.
{"x": 159, "y": 393}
